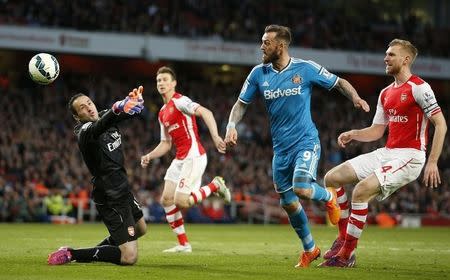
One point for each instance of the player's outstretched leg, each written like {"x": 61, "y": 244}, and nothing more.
{"x": 313, "y": 191}
{"x": 217, "y": 186}
{"x": 107, "y": 253}
{"x": 307, "y": 188}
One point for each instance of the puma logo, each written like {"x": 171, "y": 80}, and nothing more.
{"x": 95, "y": 256}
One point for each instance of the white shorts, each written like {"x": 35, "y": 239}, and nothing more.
{"x": 394, "y": 168}
{"x": 187, "y": 173}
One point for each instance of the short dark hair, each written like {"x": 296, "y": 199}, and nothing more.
{"x": 70, "y": 104}
{"x": 167, "y": 70}
{"x": 282, "y": 32}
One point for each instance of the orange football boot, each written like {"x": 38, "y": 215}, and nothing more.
{"x": 308, "y": 257}
{"x": 333, "y": 209}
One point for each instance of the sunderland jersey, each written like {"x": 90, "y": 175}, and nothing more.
{"x": 287, "y": 96}
{"x": 178, "y": 124}
{"x": 406, "y": 109}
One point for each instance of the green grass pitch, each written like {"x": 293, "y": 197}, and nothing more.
{"x": 226, "y": 252}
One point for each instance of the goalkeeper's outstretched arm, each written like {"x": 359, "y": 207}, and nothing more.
{"x": 94, "y": 129}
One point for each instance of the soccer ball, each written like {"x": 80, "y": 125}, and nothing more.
{"x": 43, "y": 68}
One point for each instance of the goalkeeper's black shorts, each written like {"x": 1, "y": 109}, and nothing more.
{"x": 120, "y": 217}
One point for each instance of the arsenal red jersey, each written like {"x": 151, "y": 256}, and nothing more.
{"x": 406, "y": 109}
{"x": 178, "y": 123}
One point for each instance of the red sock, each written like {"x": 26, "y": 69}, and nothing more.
{"x": 182, "y": 239}
{"x": 175, "y": 220}
{"x": 355, "y": 226}
{"x": 343, "y": 204}
{"x": 203, "y": 192}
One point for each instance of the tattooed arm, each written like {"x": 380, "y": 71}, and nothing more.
{"x": 236, "y": 114}
{"x": 347, "y": 90}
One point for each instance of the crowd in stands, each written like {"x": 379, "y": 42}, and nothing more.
{"x": 40, "y": 160}
{"x": 347, "y": 25}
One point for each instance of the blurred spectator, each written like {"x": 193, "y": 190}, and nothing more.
{"x": 56, "y": 205}
{"x": 213, "y": 208}
{"x": 348, "y": 25}
{"x": 79, "y": 197}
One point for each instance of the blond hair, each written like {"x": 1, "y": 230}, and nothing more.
{"x": 406, "y": 45}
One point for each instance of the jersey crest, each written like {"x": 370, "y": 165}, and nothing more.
{"x": 296, "y": 79}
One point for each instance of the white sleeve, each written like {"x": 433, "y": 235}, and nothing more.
{"x": 380, "y": 116}
{"x": 186, "y": 105}
{"x": 424, "y": 96}
{"x": 164, "y": 134}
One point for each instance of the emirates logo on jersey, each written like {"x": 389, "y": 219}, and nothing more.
{"x": 117, "y": 141}
{"x": 403, "y": 97}
{"x": 398, "y": 119}
{"x": 393, "y": 117}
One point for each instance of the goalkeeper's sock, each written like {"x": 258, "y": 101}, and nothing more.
{"x": 202, "y": 193}
{"x": 319, "y": 193}
{"x": 343, "y": 204}
{"x": 105, "y": 253}
{"x": 299, "y": 221}
{"x": 355, "y": 226}
{"x": 176, "y": 222}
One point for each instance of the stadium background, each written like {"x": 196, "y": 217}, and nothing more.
{"x": 39, "y": 159}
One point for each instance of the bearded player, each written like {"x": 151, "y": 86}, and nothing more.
{"x": 285, "y": 84}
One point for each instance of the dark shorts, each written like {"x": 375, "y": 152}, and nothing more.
{"x": 120, "y": 217}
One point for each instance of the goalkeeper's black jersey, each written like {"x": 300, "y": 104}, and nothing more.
{"x": 100, "y": 144}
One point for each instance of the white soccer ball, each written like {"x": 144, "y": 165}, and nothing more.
{"x": 43, "y": 68}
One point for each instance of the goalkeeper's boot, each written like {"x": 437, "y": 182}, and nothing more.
{"x": 333, "y": 209}
{"x": 337, "y": 245}
{"x": 222, "y": 190}
{"x": 186, "y": 248}
{"x": 338, "y": 261}
{"x": 61, "y": 256}
{"x": 308, "y": 257}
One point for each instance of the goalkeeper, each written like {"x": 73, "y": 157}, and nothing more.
{"x": 100, "y": 143}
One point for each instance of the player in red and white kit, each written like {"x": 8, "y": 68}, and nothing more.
{"x": 406, "y": 107}
{"x": 182, "y": 186}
